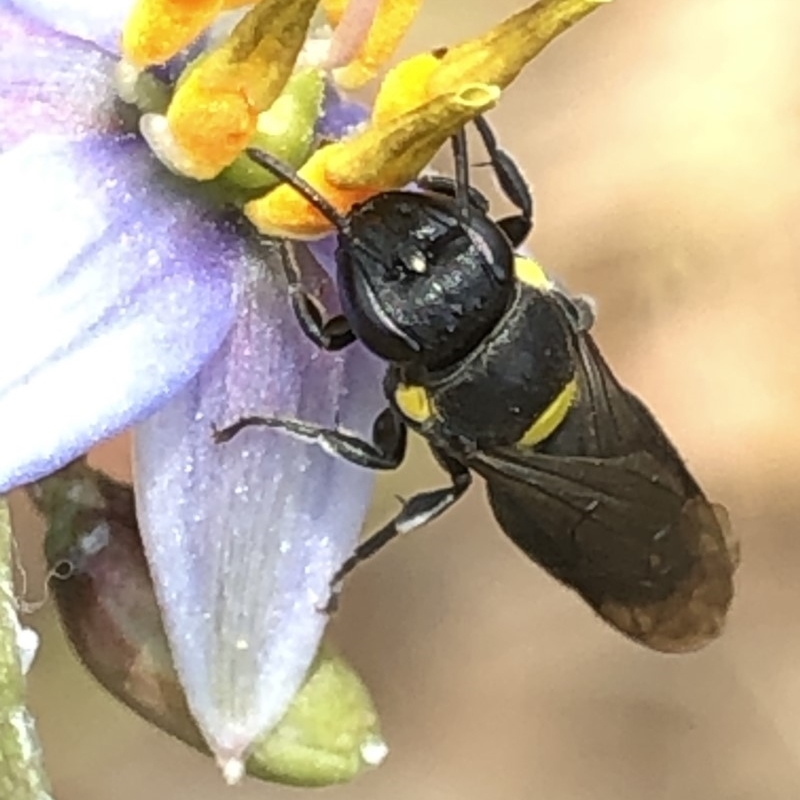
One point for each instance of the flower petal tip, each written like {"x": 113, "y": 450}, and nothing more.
{"x": 232, "y": 769}
{"x": 106, "y": 603}
{"x": 27, "y": 645}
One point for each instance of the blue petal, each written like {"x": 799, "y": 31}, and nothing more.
{"x": 116, "y": 287}
{"x": 340, "y": 117}
{"x": 90, "y": 20}
{"x": 50, "y": 83}
{"x": 244, "y": 537}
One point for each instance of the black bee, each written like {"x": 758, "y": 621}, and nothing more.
{"x": 493, "y": 364}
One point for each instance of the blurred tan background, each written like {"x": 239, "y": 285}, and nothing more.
{"x": 663, "y": 144}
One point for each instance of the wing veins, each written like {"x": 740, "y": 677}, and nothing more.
{"x": 567, "y": 497}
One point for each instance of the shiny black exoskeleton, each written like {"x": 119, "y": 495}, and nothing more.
{"x": 494, "y": 365}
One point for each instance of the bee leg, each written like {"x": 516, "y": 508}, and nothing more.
{"x": 386, "y": 450}
{"x": 513, "y": 184}
{"x": 416, "y": 512}
{"x": 331, "y": 334}
{"x": 459, "y": 144}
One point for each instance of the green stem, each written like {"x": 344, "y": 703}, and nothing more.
{"x": 22, "y": 774}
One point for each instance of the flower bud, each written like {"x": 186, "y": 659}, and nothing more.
{"x": 108, "y": 609}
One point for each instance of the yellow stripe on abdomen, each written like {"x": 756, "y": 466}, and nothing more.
{"x": 548, "y": 421}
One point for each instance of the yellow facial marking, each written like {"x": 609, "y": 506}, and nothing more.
{"x": 528, "y": 271}
{"x": 414, "y": 403}
{"x": 549, "y": 420}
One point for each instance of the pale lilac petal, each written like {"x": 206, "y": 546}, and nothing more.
{"x": 340, "y": 117}
{"x": 98, "y": 21}
{"x": 324, "y": 251}
{"x": 50, "y": 83}
{"x": 115, "y": 290}
{"x": 244, "y": 537}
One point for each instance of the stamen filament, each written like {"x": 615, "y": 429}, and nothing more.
{"x": 392, "y": 20}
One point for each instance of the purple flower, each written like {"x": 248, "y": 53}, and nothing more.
{"x": 131, "y": 298}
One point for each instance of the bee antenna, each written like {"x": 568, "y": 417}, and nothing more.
{"x": 290, "y": 176}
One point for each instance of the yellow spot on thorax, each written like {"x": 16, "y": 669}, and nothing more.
{"x": 548, "y": 421}
{"x": 531, "y": 273}
{"x": 414, "y": 403}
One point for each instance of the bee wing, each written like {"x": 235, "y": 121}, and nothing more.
{"x": 607, "y": 506}
{"x": 607, "y": 420}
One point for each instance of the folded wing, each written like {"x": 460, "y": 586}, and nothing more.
{"x": 607, "y": 506}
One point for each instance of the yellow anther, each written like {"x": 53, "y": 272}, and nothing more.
{"x": 334, "y": 9}
{"x": 214, "y": 113}
{"x": 498, "y": 56}
{"x": 422, "y": 102}
{"x": 158, "y": 29}
{"x": 285, "y": 211}
{"x": 427, "y": 98}
{"x": 394, "y": 153}
{"x": 380, "y": 158}
{"x": 405, "y": 87}
{"x": 392, "y": 20}
{"x": 286, "y": 130}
